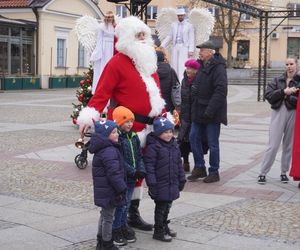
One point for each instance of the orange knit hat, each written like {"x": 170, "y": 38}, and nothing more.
{"x": 122, "y": 115}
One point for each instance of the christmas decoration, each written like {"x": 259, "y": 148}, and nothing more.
{"x": 83, "y": 94}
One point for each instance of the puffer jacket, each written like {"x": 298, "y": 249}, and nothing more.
{"x": 275, "y": 92}
{"x": 165, "y": 175}
{"x": 209, "y": 93}
{"x": 108, "y": 172}
{"x": 168, "y": 79}
{"x": 132, "y": 153}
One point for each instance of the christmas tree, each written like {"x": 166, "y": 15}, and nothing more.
{"x": 83, "y": 94}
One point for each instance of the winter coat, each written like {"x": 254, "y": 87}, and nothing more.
{"x": 210, "y": 92}
{"x": 168, "y": 79}
{"x": 185, "y": 109}
{"x": 132, "y": 153}
{"x": 275, "y": 92}
{"x": 165, "y": 174}
{"x": 108, "y": 172}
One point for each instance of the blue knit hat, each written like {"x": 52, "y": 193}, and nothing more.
{"x": 161, "y": 124}
{"x": 104, "y": 127}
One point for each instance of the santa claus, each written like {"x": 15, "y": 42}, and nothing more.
{"x": 130, "y": 79}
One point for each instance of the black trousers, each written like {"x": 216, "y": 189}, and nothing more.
{"x": 161, "y": 212}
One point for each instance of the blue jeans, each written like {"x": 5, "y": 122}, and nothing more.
{"x": 121, "y": 212}
{"x": 212, "y": 131}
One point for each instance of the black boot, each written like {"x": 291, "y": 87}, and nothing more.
{"x": 169, "y": 231}
{"x": 134, "y": 218}
{"x": 99, "y": 242}
{"x": 108, "y": 245}
{"x": 160, "y": 215}
{"x": 160, "y": 234}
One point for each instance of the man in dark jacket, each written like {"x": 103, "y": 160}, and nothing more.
{"x": 209, "y": 110}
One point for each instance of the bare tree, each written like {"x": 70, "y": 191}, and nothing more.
{"x": 228, "y": 24}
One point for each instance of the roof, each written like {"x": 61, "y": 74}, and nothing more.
{"x": 22, "y": 3}
{"x": 8, "y": 21}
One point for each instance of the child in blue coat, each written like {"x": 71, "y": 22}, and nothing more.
{"x": 109, "y": 178}
{"x": 165, "y": 175}
{"x": 134, "y": 169}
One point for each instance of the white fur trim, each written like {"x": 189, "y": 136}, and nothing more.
{"x": 143, "y": 134}
{"x": 170, "y": 117}
{"x": 156, "y": 101}
{"x": 137, "y": 193}
{"x": 87, "y": 115}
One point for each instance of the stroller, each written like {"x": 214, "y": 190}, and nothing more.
{"x": 81, "y": 159}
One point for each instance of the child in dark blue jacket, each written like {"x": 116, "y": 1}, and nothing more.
{"x": 109, "y": 178}
{"x": 165, "y": 175}
{"x": 134, "y": 169}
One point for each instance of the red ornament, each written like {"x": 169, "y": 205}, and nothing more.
{"x": 74, "y": 121}
{"x": 81, "y": 82}
{"x": 88, "y": 81}
{"x": 80, "y": 97}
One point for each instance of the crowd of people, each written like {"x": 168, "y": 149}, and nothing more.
{"x": 137, "y": 140}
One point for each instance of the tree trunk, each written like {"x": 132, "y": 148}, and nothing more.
{"x": 229, "y": 54}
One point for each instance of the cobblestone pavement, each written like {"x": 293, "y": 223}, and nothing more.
{"x": 48, "y": 202}
{"x": 250, "y": 218}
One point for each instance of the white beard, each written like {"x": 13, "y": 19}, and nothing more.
{"x": 143, "y": 56}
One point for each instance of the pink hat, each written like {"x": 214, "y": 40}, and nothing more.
{"x": 192, "y": 63}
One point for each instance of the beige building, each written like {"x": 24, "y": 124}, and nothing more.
{"x": 42, "y": 42}
{"x": 283, "y": 41}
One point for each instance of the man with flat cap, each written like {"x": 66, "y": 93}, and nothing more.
{"x": 182, "y": 36}
{"x": 209, "y": 111}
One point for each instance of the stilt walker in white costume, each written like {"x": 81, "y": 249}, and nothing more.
{"x": 182, "y": 35}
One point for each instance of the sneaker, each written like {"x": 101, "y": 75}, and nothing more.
{"x": 118, "y": 238}
{"x": 197, "y": 173}
{"x": 212, "y": 178}
{"x": 284, "y": 178}
{"x": 128, "y": 234}
{"x": 261, "y": 179}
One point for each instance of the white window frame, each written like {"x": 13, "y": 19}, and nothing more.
{"x": 84, "y": 62}
{"x": 246, "y": 17}
{"x": 151, "y": 13}
{"x": 121, "y": 11}
{"x": 62, "y": 34}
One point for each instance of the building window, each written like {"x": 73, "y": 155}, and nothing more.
{"x": 246, "y": 17}
{"x": 61, "y": 47}
{"x": 294, "y": 6}
{"x": 293, "y": 47}
{"x": 16, "y": 51}
{"x": 151, "y": 12}
{"x": 121, "y": 11}
{"x": 243, "y": 47}
{"x": 214, "y": 11}
{"x": 62, "y": 35}
{"x": 81, "y": 56}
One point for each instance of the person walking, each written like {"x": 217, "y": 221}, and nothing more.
{"x": 182, "y": 36}
{"x": 165, "y": 176}
{"x": 134, "y": 168}
{"x": 281, "y": 93}
{"x": 209, "y": 110}
{"x": 108, "y": 179}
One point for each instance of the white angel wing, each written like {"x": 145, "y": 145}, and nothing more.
{"x": 86, "y": 30}
{"x": 164, "y": 20}
{"x": 203, "y": 22}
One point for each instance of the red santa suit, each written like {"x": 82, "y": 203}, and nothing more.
{"x": 295, "y": 169}
{"x": 130, "y": 79}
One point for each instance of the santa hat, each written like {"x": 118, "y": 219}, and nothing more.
{"x": 162, "y": 124}
{"x": 104, "y": 127}
{"x": 192, "y": 63}
{"x": 122, "y": 115}
{"x": 127, "y": 29}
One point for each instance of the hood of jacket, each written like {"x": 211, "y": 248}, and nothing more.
{"x": 99, "y": 142}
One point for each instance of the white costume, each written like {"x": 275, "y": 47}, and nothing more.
{"x": 103, "y": 51}
{"x": 182, "y": 35}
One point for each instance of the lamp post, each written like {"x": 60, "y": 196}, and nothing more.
{"x": 135, "y": 7}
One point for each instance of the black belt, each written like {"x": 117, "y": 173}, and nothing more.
{"x": 143, "y": 119}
